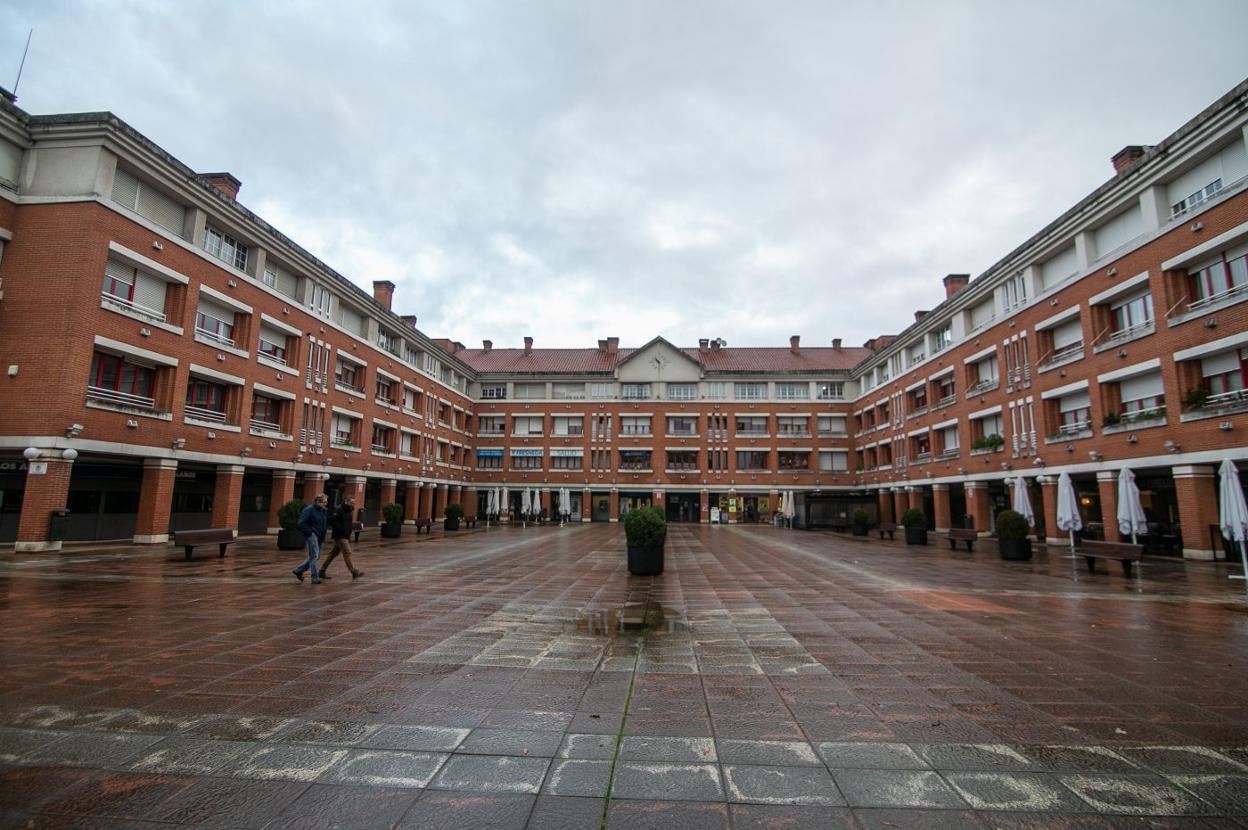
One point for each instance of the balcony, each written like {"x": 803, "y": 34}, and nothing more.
{"x": 793, "y": 432}
{"x": 199, "y": 413}
{"x": 213, "y": 337}
{"x": 491, "y": 432}
{"x": 343, "y": 386}
{"x": 983, "y": 387}
{"x": 381, "y": 449}
{"x": 636, "y": 432}
{"x": 1071, "y": 432}
{"x": 917, "y": 412}
{"x": 131, "y": 309}
{"x": 343, "y": 442}
{"x": 1064, "y": 355}
{"x": 1128, "y": 421}
{"x": 682, "y": 467}
{"x": 922, "y": 457}
{"x": 952, "y": 452}
{"x": 258, "y": 426}
{"x": 635, "y": 467}
{"x": 1214, "y": 302}
{"x": 124, "y": 399}
{"x": 1126, "y": 335}
{"x": 752, "y": 433}
{"x": 272, "y": 359}
{"x": 949, "y": 400}
{"x": 1217, "y": 406}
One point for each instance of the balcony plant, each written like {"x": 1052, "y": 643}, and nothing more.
{"x": 453, "y": 514}
{"x": 1196, "y": 398}
{"x": 1012, "y": 541}
{"x": 392, "y": 524}
{"x": 645, "y": 532}
{"x": 289, "y": 537}
{"x": 915, "y": 523}
{"x": 859, "y": 520}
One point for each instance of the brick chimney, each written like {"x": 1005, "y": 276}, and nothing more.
{"x": 224, "y": 182}
{"x": 836, "y": 343}
{"x": 795, "y": 344}
{"x": 1127, "y": 156}
{"x": 383, "y": 293}
{"x": 486, "y": 345}
{"x": 613, "y": 345}
{"x": 715, "y": 345}
{"x": 955, "y": 283}
{"x": 704, "y": 345}
{"x": 528, "y": 345}
{"x": 410, "y": 319}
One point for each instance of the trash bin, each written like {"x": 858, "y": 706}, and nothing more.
{"x": 58, "y": 525}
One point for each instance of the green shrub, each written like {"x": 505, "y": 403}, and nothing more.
{"x": 914, "y": 520}
{"x": 288, "y": 514}
{"x": 859, "y": 517}
{"x": 645, "y": 527}
{"x": 1196, "y": 397}
{"x": 454, "y": 511}
{"x": 392, "y": 512}
{"x": 1110, "y": 419}
{"x": 1011, "y": 525}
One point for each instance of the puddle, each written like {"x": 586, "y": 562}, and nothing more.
{"x": 631, "y": 620}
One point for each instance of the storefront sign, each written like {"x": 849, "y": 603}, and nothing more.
{"x": 526, "y": 452}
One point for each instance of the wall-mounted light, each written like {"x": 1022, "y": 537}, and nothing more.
{"x": 30, "y": 453}
{"x": 69, "y": 454}
{"x": 1131, "y": 439}
{"x": 1226, "y": 426}
{"x": 1211, "y": 323}
{"x": 179, "y": 443}
{"x": 157, "y": 246}
{"x": 1037, "y": 462}
{"x": 211, "y": 436}
{"x": 1070, "y": 448}
{"x": 245, "y": 452}
{"x": 73, "y": 430}
{"x": 232, "y": 284}
{"x": 1197, "y": 227}
{"x": 145, "y": 332}
{"x": 1112, "y": 272}
{"x": 1122, "y": 352}
{"x": 132, "y": 424}
{"x": 1172, "y": 447}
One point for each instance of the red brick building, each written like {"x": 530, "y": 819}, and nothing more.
{"x": 172, "y": 361}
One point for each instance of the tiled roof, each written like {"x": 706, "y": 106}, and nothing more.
{"x": 726, "y": 359}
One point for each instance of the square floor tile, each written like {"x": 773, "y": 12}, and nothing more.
{"x": 667, "y": 782}
{"x": 188, "y": 756}
{"x": 781, "y": 785}
{"x": 868, "y": 755}
{"x": 492, "y": 774}
{"x": 427, "y": 738}
{"x": 592, "y": 747}
{"x": 768, "y": 753}
{"x": 1134, "y": 795}
{"x": 385, "y": 768}
{"x": 283, "y": 762}
{"x": 1031, "y": 792}
{"x": 510, "y": 742}
{"x": 668, "y": 750}
{"x": 578, "y": 777}
{"x": 1227, "y": 793}
{"x": 895, "y": 788}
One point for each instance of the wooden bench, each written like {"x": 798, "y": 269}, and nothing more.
{"x": 1124, "y": 552}
{"x": 190, "y": 539}
{"x": 424, "y": 524}
{"x": 470, "y": 522}
{"x": 356, "y": 529}
{"x": 957, "y": 534}
{"x": 887, "y": 527}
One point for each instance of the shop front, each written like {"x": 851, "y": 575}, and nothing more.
{"x": 683, "y": 507}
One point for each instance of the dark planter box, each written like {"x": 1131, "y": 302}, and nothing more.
{"x": 916, "y": 536}
{"x": 290, "y": 540}
{"x": 391, "y": 530}
{"x": 450, "y": 524}
{"x": 859, "y": 530}
{"x": 1015, "y": 550}
{"x": 645, "y": 561}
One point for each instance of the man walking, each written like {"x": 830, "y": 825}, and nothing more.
{"x": 312, "y": 524}
{"x": 342, "y": 523}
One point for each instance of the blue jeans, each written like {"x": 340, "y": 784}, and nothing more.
{"x": 314, "y": 553}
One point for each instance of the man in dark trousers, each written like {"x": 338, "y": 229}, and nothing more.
{"x": 312, "y": 524}
{"x": 342, "y": 523}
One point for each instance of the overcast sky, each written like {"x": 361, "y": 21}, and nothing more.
{"x": 574, "y": 170}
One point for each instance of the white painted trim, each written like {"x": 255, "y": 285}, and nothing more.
{"x": 6, "y": 235}
{"x": 126, "y": 348}
{"x": 992, "y": 410}
{"x": 1212, "y": 246}
{"x": 952, "y": 422}
{"x": 147, "y": 263}
{"x": 279, "y": 325}
{"x": 385, "y": 423}
{"x": 1050, "y": 394}
{"x": 1119, "y": 289}
{"x": 981, "y": 354}
{"x": 386, "y": 374}
{"x": 1212, "y": 347}
{"x": 215, "y": 375}
{"x": 225, "y": 299}
{"x": 347, "y": 412}
{"x": 273, "y": 391}
{"x": 916, "y": 385}
{"x": 1057, "y": 319}
{"x": 941, "y": 373}
{"x": 1130, "y": 371}
{"x": 919, "y": 431}
{"x": 356, "y": 359}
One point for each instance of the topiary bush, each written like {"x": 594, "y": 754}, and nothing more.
{"x": 1011, "y": 525}
{"x": 454, "y": 511}
{"x": 914, "y": 520}
{"x": 392, "y": 512}
{"x": 645, "y": 527}
{"x": 859, "y": 517}
{"x": 288, "y": 514}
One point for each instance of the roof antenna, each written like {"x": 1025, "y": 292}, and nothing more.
{"x": 22, "y": 65}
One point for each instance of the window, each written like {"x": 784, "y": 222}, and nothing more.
{"x": 148, "y": 202}
{"x": 118, "y": 380}
{"x": 272, "y": 345}
{"x": 1066, "y": 342}
{"x": 383, "y": 439}
{"x": 1132, "y": 316}
{"x": 225, "y": 248}
{"x": 946, "y": 390}
{"x": 682, "y": 460}
{"x": 530, "y": 391}
{"x": 983, "y": 375}
{"x": 1013, "y": 293}
{"x": 205, "y": 400}
{"x": 751, "y": 425}
{"x": 950, "y": 445}
{"x": 792, "y": 391}
{"x": 635, "y": 425}
{"x": 793, "y": 459}
{"x": 432, "y": 365}
{"x": 527, "y": 425}
{"x": 566, "y": 459}
{"x": 752, "y": 460}
{"x": 917, "y": 403}
{"x": 1074, "y": 412}
{"x": 636, "y": 391}
{"x": 490, "y": 424}
{"x": 682, "y": 391}
{"x": 832, "y": 426}
{"x": 1201, "y": 194}
{"x": 985, "y": 429}
{"x": 1218, "y": 279}
{"x": 635, "y": 460}
{"x": 270, "y": 277}
{"x": 793, "y": 425}
{"x": 525, "y": 458}
{"x": 134, "y": 292}
{"x": 716, "y": 390}
{"x": 266, "y": 413}
{"x": 119, "y": 281}
{"x": 602, "y": 391}
{"x": 829, "y": 390}
{"x": 494, "y": 392}
{"x": 1142, "y": 396}
{"x": 835, "y": 461}
{"x": 388, "y": 341}
{"x": 749, "y": 391}
{"x": 411, "y": 399}
{"x": 320, "y": 300}
{"x": 214, "y": 322}
{"x": 348, "y": 376}
{"x": 568, "y": 391}
{"x": 941, "y": 339}
{"x": 981, "y": 315}
{"x": 1223, "y": 375}
{"x": 682, "y": 425}
{"x": 342, "y": 431}
{"x": 384, "y": 390}
{"x": 489, "y": 459}
{"x": 568, "y": 425}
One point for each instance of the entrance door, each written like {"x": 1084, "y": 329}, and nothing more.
{"x": 602, "y": 507}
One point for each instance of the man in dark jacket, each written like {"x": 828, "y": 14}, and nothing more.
{"x": 312, "y": 524}
{"x": 342, "y": 523}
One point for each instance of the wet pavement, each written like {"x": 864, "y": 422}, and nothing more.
{"x": 521, "y": 679}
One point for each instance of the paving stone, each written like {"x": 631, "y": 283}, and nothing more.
{"x": 1139, "y": 795}
{"x": 344, "y": 733}
{"x": 1032, "y": 792}
{"x": 667, "y": 782}
{"x": 866, "y": 755}
{"x": 661, "y": 815}
{"x": 230, "y": 802}
{"x": 790, "y": 817}
{"x": 888, "y": 819}
{"x": 553, "y": 812}
{"x": 1180, "y": 760}
{"x": 1079, "y": 759}
{"x": 593, "y": 747}
{"x": 670, "y": 750}
{"x": 973, "y": 757}
{"x": 188, "y": 756}
{"x": 326, "y": 806}
{"x": 228, "y": 728}
{"x": 287, "y": 762}
{"x": 17, "y": 743}
{"x": 491, "y": 774}
{"x": 384, "y": 768}
{"x": 577, "y": 777}
{"x": 89, "y": 749}
{"x": 768, "y": 753}
{"x": 781, "y": 785}
{"x": 151, "y": 723}
{"x": 895, "y": 788}
{"x": 510, "y": 742}
{"x": 1227, "y": 793}
{"x": 428, "y": 738}
{"x": 118, "y": 795}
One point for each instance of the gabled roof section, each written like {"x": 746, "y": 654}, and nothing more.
{"x": 741, "y": 360}
{"x": 629, "y": 354}
{"x": 781, "y": 359}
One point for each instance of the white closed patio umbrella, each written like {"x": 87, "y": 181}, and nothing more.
{"x": 790, "y": 506}
{"x": 504, "y": 504}
{"x": 524, "y": 505}
{"x": 1131, "y": 518}
{"x": 1022, "y": 501}
{"x": 535, "y": 502}
{"x": 1068, "y": 508}
{"x": 1233, "y": 512}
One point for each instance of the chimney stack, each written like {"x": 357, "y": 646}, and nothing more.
{"x": 1127, "y": 156}
{"x": 410, "y": 319}
{"x": 715, "y": 345}
{"x": 224, "y": 182}
{"x": 383, "y": 293}
{"x": 613, "y": 345}
{"x": 836, "y": 343}
{"x": 704, "y": 345}
{"x": 486, "y": 345}
{"x": 528, "y": 345}
{"x": 955, "y": 283}
{"x": 795, "y": 344}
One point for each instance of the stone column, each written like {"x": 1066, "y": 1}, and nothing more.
{"x": 900, "y": 502}
{"x": 355, "y": 488}
{"x": 313, "y": 485}
{"x": 613, "y": 505}
{"x": 704, "y": 507}
{"x": 941, "y": 507}
{"x": 1048, "y": 495}
{"x": 151, "y": 526}
{"x": 227, "y": 493}
{"x": 426, "y": 500}
{"x": 411, "y": 502}
{"x": 455, "y": 495}
{"x": 885, "y": 501}
{"x": 545, "y": 498}
{"x": 979, "y": 508}
{"x": 915, "y": 494}
{"x": 773, "y": 499}
{"x": 282, "y": 491}
{"x": 1196, "y": 488}
{"x": 1107, "y": 486}
{"x": 587, "y": 505}
{"x": 388, "y": 488}
{"x": 441, "y": 496}
{"x": 47, "y": 489}
{"x": 471, "y": 508}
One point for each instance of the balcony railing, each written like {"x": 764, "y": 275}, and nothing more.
{"x": 381, "y": 448}
{"x": 752, "y": 433}
{"x": 122, "y": 398}
{"x": 214, "y": 337}
{"x": 131, "y": 308}
{"x": 793, "y": 431}
{"x": 917, "y": 411}
{"x": 948, "y": 400}
{"x": 983, "y": 386}
{"x": 572, "y": 431}
{"x": 1126, "y": 335}
{"x": 682, "y": 466}
{"x": 343, "y": 386}
{"x": 272, "y": 358}
{"x": 634, "y": 430}
{"x": 258, "y": 425}
{"x": 635, "y": 465}
{"x": 952, "y": 452}
{"x": 199, "y": 413}
{"x": 1075, "y": 428}
{"x": 1066, "y": 354}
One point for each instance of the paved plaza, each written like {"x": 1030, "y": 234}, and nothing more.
{"x": 519, "y": 678}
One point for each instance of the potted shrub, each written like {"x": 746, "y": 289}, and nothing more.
{"x": 645, "y": 530}
{"x": 859, "y": 521}
{"x": 453, "y": 514}
{"x": 1012, "y": 541}
{"x": 392, "y": 524}
{"x": 915, "y": 524}
{"x": 289, "y": 537}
